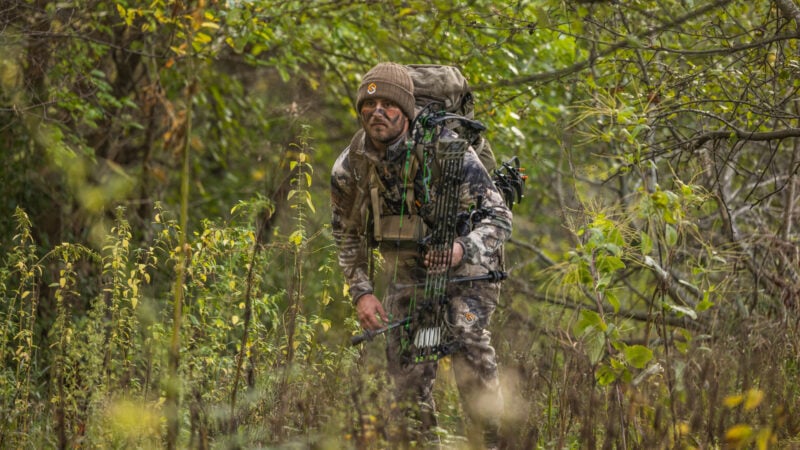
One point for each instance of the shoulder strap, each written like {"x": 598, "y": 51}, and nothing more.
{"x": 369, "y": 185}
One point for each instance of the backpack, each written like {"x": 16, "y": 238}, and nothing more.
{"x": 444, "y": 89}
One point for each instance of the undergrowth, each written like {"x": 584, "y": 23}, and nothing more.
{"x": 84, "y": 336}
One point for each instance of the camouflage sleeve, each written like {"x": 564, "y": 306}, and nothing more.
{"x": 347, "y": 233}
{"x": 482, "y": 244}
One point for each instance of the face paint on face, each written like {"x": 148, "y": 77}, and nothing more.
{"x": 383, "y": 120}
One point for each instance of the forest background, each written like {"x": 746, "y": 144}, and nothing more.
{"x": 168, "y": 276}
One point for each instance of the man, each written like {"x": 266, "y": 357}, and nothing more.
{"x": 378, "y": 179}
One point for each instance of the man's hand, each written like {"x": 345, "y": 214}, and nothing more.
{"x": 370, "y": 312}
{"x": 437, "y": 261}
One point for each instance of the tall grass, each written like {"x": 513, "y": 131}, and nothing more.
{"x": 92, "y": 371}
{"x": 85, "y": 336}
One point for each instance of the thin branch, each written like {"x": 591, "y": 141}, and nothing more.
{"x": 790, "y": 10}
{"x": 577, "y": 67}
{"x": 529, "y": 292}
{"x": 743, "y": 135}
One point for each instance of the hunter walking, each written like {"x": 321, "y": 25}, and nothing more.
{"x": 381, "y": 196}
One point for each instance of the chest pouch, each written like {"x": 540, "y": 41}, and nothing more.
{"x": 408, "y": 227}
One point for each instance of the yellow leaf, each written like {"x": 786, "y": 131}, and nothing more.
{"x": 405, "y": 12}
{"x": 738, "y": 433}
{"x": 763, "y": 439}
{"x": 296, "y": 238}
{"x": 202, "y": 38}
{"x": 753, "y": 399}
{"x": 257, "y": 174}
{"x": 733, "y": 401}
{"x": 235, "y": 320}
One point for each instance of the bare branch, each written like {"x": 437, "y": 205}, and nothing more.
{"x": 744, "y": 135}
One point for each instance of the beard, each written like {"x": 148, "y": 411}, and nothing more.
{"x": 383, "y": 129}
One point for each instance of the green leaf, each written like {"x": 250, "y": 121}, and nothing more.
{"x": 659, "y": 198}
{"x": 706, "y": 303}
{"x": 589, "y": 320}
{"x": 671, "y": 235}
{"x": 683, "y": 346}
{"x": 605, "y": 375}
{"x": 310, "y": 204}
{"x": 613, "y": 300}
{"x": 638, "y": 355}
{"x": 608, "y": 264}
{"x": 646, "y": 244}
{"x": 595, "y": 346}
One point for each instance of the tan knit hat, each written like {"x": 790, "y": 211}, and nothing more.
{"x": 390, "y": 81}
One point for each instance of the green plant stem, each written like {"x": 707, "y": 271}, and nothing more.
{"x": 248, "y": 313}
{"x": 173, "y": 388}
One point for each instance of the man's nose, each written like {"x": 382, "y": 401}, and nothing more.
{"x": 380, "y": 109}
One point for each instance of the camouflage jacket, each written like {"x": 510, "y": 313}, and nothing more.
{"x": 482, "y": 245}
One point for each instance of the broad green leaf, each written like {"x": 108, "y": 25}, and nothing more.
{"x": 613, "y": 300}
{"x": 638, "y": 355}
{"x": 589, "y": 320}
{"x": 608, "y": 264}
{"x": 605, "y": 375}
{"x": 595, "y": 346}
{"x": 671, "y": 235}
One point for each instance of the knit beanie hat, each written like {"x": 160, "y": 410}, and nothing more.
{"x": 390, "y": 81}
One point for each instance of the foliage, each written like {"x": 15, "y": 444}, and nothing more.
{"x": 167, "y": 255}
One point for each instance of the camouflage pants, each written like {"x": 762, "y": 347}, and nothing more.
{"x": 469, "y": 311}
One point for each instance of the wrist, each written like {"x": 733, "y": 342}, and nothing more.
{"x": 360, "y": 296}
